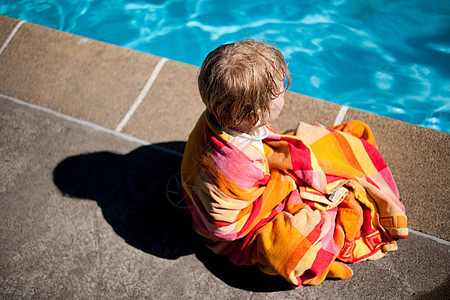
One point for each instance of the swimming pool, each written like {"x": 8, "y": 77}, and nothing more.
{"x": 388, "y": 57}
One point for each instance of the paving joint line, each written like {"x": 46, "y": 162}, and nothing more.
{"x": 142, "y": 94}
{"x": 143, "y": 142}
{"x": 431, "y": 237}
{"x": 341, "y": 115}
{"x": 11, "y": 35}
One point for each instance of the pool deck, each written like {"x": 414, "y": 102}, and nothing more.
{"x": 90, "y": 136}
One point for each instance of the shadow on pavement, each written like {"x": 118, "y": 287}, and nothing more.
{"x": 140, "y": 197}
{"x": 441, "y": 292}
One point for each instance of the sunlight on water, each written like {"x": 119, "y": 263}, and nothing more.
{"x": 387, "y": 57}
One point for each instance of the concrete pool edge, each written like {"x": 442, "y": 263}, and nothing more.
{"x": 100, "y": 83}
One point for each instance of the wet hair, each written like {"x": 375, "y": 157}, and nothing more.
{"x": 239, "y": 80}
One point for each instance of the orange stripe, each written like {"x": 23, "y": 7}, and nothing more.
{"x": 303, "y": 246}
{"x": 324, "y": 150}
{"x": 348, "y": 151}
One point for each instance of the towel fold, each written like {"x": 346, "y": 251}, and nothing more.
{"x": 312, "y": 200}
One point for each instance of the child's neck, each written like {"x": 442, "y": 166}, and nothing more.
{"x": 246, "y": 127}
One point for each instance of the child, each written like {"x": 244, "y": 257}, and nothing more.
{"x": 296, "y": 205}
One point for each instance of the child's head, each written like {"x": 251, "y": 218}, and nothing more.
{"x": 238, "y": 82}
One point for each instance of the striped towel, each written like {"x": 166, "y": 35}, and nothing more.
{"x": 314, "y": 199}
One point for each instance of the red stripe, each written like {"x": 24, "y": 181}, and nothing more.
{"x": 332, "y": 178}
{"x": 256, "y": 208}
{"x": 375, "y": 156}
{"x": 315, "y": 233}
{"x": 219, "y": 224}
{"x": 237, "y": 252}
{"x": 300, "y": 154}
{"x": 372, "y": 182}
{"x": 321, "y": 262}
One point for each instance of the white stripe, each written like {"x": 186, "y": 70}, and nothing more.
{"x": 341, "y": 115}
{"x": 12, "y": 34}
{"x": 89, "y": 124}
{"x": 436, "y": 239}
{"x": 141, "y": 96}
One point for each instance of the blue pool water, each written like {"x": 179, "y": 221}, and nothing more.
{"x": 390, "y": 57}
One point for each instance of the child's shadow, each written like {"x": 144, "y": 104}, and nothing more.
{"x": 140, "y": 197}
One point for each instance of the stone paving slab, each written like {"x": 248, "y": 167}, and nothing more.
{"x": 6, "y": 26}
{"x": 74, "y": 75}
{"x": 84, "y": 215}
{"x": 171, "y": 107}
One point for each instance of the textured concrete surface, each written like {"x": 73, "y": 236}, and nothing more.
{"x": 300, "y": 108}
{"x": 6, "y": 26}
{"x": 84, "y": 211}
{"x": 75, "y": 75}
{"x": 175, "y": 98}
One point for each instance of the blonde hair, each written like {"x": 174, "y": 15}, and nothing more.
{"x": 239, "y": 80}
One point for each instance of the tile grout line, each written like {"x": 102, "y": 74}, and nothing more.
{"x": 140, "y": 141}
{"x": 11, "y": 35}
{"x": 141, "y": 96}
{"x": 340, "y": 116}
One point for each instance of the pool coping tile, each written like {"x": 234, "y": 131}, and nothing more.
{"x": 83, "y": 78}
{"x": 7, "y": 25}
{"x": 171, "y": 107}
{"x": 301, "y": 108}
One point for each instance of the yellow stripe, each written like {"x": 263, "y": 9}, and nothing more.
{"x": 361, "y": 155}
{"x": 241, "y": 222}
